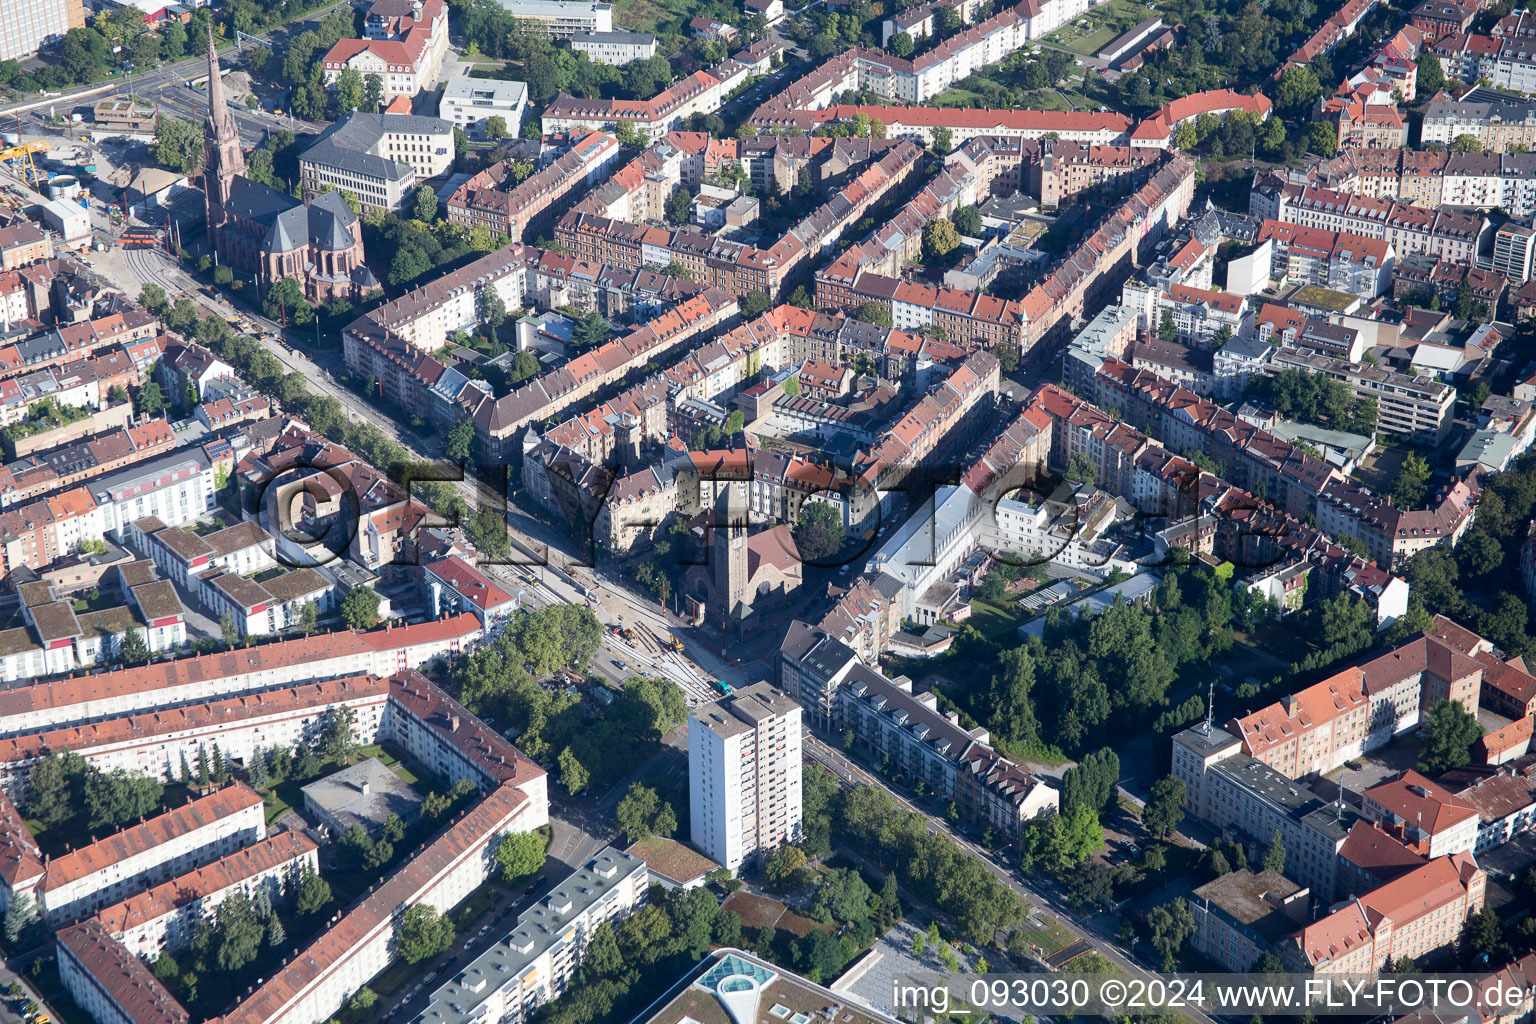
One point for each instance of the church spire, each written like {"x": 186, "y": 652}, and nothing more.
{"x": 218, "y": 112}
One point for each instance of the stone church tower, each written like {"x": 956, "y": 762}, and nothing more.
{"x": 223, "y": 159}
{"x": 728, "y": 557}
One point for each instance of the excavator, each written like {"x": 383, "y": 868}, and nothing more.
{"x": 19, "y": 160}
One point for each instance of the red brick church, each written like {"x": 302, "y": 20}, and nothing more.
{"x": 268, "y": 234}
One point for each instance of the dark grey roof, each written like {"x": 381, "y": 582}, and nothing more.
{"x": 255, "y": 201}
{"x": 331, "y": 221}
{"x": 363, "y": 277}
{"x": 289, "y": 229}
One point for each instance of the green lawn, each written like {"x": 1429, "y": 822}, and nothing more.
{"x": 1106, "y": 22}
{"x": 955, "y": 96}
{"x": 648, "y": 15}
{"x": 478, "y": 903}
{"x": 392, "y": 977}
{"x": 1050, "y": 936}
{"x": 997, "y": 622}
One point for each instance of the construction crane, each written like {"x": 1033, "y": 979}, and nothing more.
{"x": 19, "y": 159}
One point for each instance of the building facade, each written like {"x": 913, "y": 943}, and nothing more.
{"x": 744, "y": 755}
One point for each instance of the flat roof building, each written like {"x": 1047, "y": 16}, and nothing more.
{"x": 365, "y": 794}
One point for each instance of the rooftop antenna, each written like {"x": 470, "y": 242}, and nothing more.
{"x": 1210, "y": 710}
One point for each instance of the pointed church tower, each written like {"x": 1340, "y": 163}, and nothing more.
{"x": 223, "y": 159}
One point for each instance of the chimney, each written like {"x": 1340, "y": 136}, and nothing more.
{"x": 364, "y": 787}
{"x": 453, "y": 723}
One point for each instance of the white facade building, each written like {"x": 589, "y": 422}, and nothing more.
{"x": 470, "y": 102}
{"x": 563, "y": 18}
{"x": 744, "y": 775}
{"x": 616, "y": 48}
{"x": 29, "y": 24}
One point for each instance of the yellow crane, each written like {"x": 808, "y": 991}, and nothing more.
{"x": 20, "y": 160}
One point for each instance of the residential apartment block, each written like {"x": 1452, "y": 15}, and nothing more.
{"x": 840, "y": 692}
{"x": 32, "y": 24}
{"x": 535, "y": 962}
{"x": 491, "y": 200}
{"x": 160, "y": 848}
{"x": 561, "y": 18}
{"x": 744, "y": 775}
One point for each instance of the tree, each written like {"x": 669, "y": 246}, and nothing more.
{"x": 152, "y": 297}
{"x": 1093, "y": 782}
{"x": 425, "y": 206}
{"x": 349, "y": 91}
{"x": 1091, "y": 884}
{"x": 360, "y": 608}
{"x": 133, "y": 651}
{"x": 149, "y": 400}
{"x": 422, "y": 933}
{"x": 1296, "y": 91}
{"x": 967, "y": 221}
{"x": 801, "y": 298}
{"x": 625, "y": 135}
{"x": 1323, "y": 138}
{"x": 285, "y": 301}
{"x": 178, "y": 144}
{"x": 309, "y": 617}
{"x": 495, "y": 127}
{"x": 784, "y": 864}
{"x": 940, "y": 238}
{"x": 460, "y": 442}
{"x": 1080, "y": 469}
{"x": 460, "y": 142}
{"x": 680, "y": 206}
{"x": 842, "y": 897}
{"x": 642, "y": 813}
{"x": 21, "y": 913}
{"x": 755, "y": 303}
{"x": 1412, "y": 482}
{"x": 573, "y": 774}
{"x": 872, "y": 312}
{"x": 1165, "y": 806}
{"x": 591, "y": 331}
{"x": 943, "y": 140}
{"x": 1274, "y": 857}
{"x": 1466, "y": 144}
{"x": 373, "y": 91}
{"x": 1447, "y": 734}
{"x": 1482, "y": 940}
{"x": 339, "y": 737}
{"x": 1431, "y": 74}
{"x": 1170, "y": 925}
{"x": 820, "y": 532}
{"x": 520, "y": 855}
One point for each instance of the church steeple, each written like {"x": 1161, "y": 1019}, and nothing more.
{"x": 218, "y": 111}
{"x": 223, "y": 159}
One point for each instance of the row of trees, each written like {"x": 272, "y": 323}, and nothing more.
{"x": 930, "y": 864}
{"x": 304, "y": 72}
